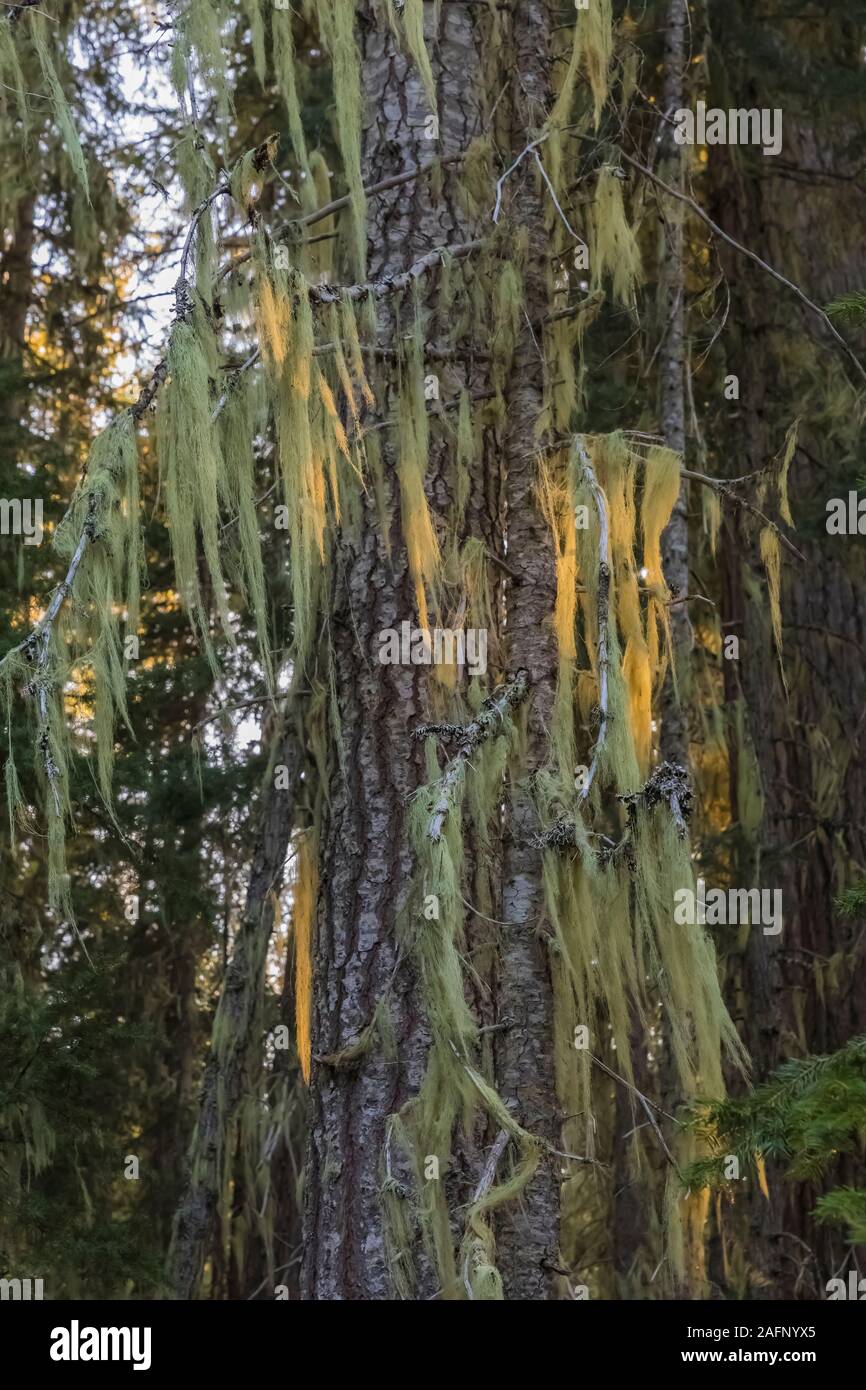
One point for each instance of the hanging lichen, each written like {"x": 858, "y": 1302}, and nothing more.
{"x": 193, "y": 469}
{"x": 62, "y": 114}
{"x": 106, "y": 511}
{"x": 591, "y": 52}
{"x": 613, "y": 247}
{"x": 336, "y": 20}
{"x": 611, "y": 900}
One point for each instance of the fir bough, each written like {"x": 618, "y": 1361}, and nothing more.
{"x": 806, "y": 1116}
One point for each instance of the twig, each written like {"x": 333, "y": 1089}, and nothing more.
{"x": 500, "y": 182}
{"x": 393, "y": 284}
{"x": 669, "y": 783}
{"x": 752, "y": 255}
{"x": 486, "y": 1181}
{"x": 500, "y": 1144}
{"x": 433, "y": 411}
{"x": 17, "y": 10}
{"x": 232, "y": 709}
{"x": 532, "y": 148}
{"x": 196, "y": 218}
{"x": 631, "y": 1087}
{"x": 552, "y": 191}
{"x": 725, "y": 489}
{"x": 238, "y": 372}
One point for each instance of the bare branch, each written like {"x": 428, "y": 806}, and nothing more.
{"x": 17, "y": 10}
{"x": 725, "y": 489}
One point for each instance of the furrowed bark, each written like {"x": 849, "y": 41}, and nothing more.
{"x": 366, "y": 863}
{"x": 674, "y": 738}
{"x": 528, "y": 1234}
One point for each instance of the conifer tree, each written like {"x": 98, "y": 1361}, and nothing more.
{"x": 436, "y": 471}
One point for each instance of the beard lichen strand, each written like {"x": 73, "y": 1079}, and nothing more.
{"x": 255, "y": 18}
{"x": 12, "y": 79}
{"x": 413, "y": 25}
{"x": 591, "y": 52}
{"x": 194, "y": 470}
{"x": 42, "y": 44}
{"x": 614, "y": 249}
{"x": 303, "y": 917}
{"x": 662, "y": 481}
{"x": 283, "y": 41}
{"x": 241, "y": 421}
{"x": 108, "y": 579}
{"x": 100, "y": 538}
{"x": 336, "y": 24}
{"x": 611, "y": 913}
{"x": 771, "y": 555}
{"x": 300, "y": 453}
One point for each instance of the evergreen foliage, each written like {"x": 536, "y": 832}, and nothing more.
{"x": 807, "y": 1116}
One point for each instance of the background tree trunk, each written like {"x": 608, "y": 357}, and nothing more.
{"x": 237, "y": 1043}
{"x": 809, "y": 747}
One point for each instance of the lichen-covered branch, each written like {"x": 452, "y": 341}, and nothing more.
{"x": 669, "y": 784}
{"x": 485, "y": 725}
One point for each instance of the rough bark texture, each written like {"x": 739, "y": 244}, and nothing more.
{"x": 528, "y": 1236}
{"x": 229, "y": 1067}
{"x": 674, "y": 738}
{"x": 366, "y": 863}
{"x": 810, "y": 748}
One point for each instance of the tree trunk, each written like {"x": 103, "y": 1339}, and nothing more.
{"x": 366, "y": 862}
{"x": 16, "y": 282}
{"x": 235, "y": 1057}
{"x": 528, "y": 1235}
{"x": 809, "y": 745}
{"x": 674, "y": 738}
